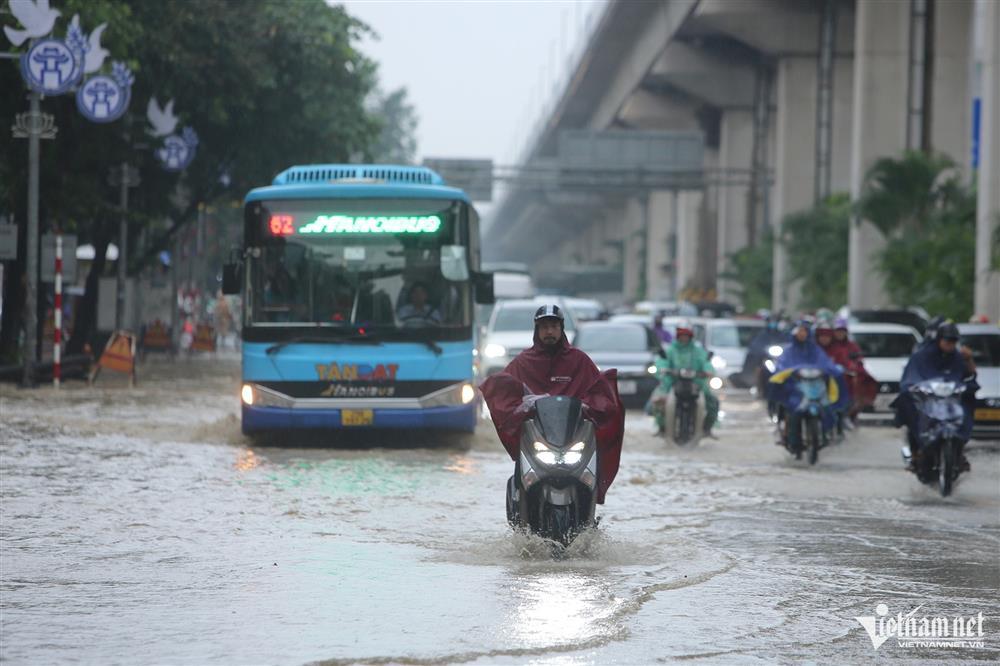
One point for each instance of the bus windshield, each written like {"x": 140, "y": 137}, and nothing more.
{"x": 358, "y": 262}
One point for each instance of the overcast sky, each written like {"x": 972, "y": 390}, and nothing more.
{"x": 474, "y": 70}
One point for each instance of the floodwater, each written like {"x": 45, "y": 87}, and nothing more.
{"x": 139, "y": 526}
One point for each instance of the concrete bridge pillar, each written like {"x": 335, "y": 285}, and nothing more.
{"x": 633, "y": 224}
{"x": 987, "y": 299}
{"x": 735, "y": 152}
{"x": 795, "y": 159}
{"x": 881, "y": 57}
{"x": 689, "y": 218}
{"x": 951, "y": 100}
{"x": 659, "y": 256}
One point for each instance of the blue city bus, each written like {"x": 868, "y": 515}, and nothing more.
{"x": 358, "y": 286}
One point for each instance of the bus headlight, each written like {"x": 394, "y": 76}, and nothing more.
{"x": 494, "y": 350}
{"x": 468, "y": 394}
{"x": 247, "y": 394}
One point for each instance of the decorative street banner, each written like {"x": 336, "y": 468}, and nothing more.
{"x": 103, "y": 98}
{"x": 177, "y": 152}
{"x": 51, "y": 67}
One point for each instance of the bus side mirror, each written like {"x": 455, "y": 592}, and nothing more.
{"x": 230, "y": 278}
{"x": 483, "y": 284}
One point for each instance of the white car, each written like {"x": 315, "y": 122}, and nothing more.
{"x": 728, "y": 340}
{"x": 511, "y": 330}
{"x": 984, "y": 341}
{"x": 886, "y": 348}
{"x": 670, "y": 323}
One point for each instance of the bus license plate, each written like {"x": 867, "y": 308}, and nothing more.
{"x": 987, "y": 414}
{"x": 357, "y": 417}
{"x": 627, "y": 387}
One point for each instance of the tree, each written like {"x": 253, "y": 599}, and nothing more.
{"x": 265, "y": 84}
{"x": 816, "y": 240}
{"x": 751, "y": 268}
{"x": 929, "y": 220}
{"x": 397, "y": 141}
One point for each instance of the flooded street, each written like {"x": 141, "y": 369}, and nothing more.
{"x": 140, "y": 526}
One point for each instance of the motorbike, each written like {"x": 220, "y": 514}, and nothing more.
{"x": 940, "y": 414}
{"x": 684, "y": 409}
{"x": 552, "y": 493}
{"x": 811, "y": 383}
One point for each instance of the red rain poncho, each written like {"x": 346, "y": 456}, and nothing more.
{"x": 862, "y": 385}
{"x": 563, "y": 370}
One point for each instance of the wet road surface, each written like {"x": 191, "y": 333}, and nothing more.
{"x": 141, "y": 527}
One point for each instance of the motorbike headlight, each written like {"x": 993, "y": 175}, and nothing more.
{"x": 651, "y": 369}
{"x": 943, "y": 389}
{"x": 810, "y": 373}
{"x": 544, "y": 454}
{"x": 572, "y": 457}
{"x": 775, "y": 350}
{"x": 715, "y": 383}
{"x": 769, "y": 364}
{"x": 494, "y": 350}
{"x": 718, "y": 362}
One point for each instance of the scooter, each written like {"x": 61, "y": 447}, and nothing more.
{"x": 811, "y": 383}
{"x": 940, "y": 414}
{"x": 552, "y": 493}
{"x": 685, "y": 409}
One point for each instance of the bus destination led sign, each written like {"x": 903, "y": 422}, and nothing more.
{"x": 284, "y": 225}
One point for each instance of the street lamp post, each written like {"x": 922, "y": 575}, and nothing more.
{"x": 34, "y": 126}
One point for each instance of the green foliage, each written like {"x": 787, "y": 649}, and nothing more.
{"x": 928, "y": 217}
{"x": 752, "y": 270}
{"x": 901, "y": 193}
{"x": 265, "y": 84}
{"x": 816, "y": 241}
{"x": 397, "y": 141}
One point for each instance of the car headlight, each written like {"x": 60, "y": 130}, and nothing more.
{"x": 494, "y": 350}
{"x": 246, "y": 393}
{"x": 718, "y": 362}
{"x": 775, "y": 350}
{"x": 468, "y": 394}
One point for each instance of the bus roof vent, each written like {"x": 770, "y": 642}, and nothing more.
{"x": 357, "y": 173}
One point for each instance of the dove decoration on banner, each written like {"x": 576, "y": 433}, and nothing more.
{"x": 35, "y": 16}
{"x": 90, "y": 47}
{"x": 177, "y": 152}
{"x": 162, "y": 120}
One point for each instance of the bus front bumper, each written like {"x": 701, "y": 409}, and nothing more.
{"x": 258, "y": 419}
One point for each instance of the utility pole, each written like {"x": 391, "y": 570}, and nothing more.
{"x": 125, "y": 176}
{"x": 34, "y": 126}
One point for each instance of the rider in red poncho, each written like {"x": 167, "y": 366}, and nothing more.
{"x": 846, "y": 353}
{"x": 552, "y": 366}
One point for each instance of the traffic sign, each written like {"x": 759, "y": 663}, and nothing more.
{"x": 48, "y": 265}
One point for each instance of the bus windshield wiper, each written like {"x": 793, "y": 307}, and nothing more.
{"x": 353, "y": 337}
